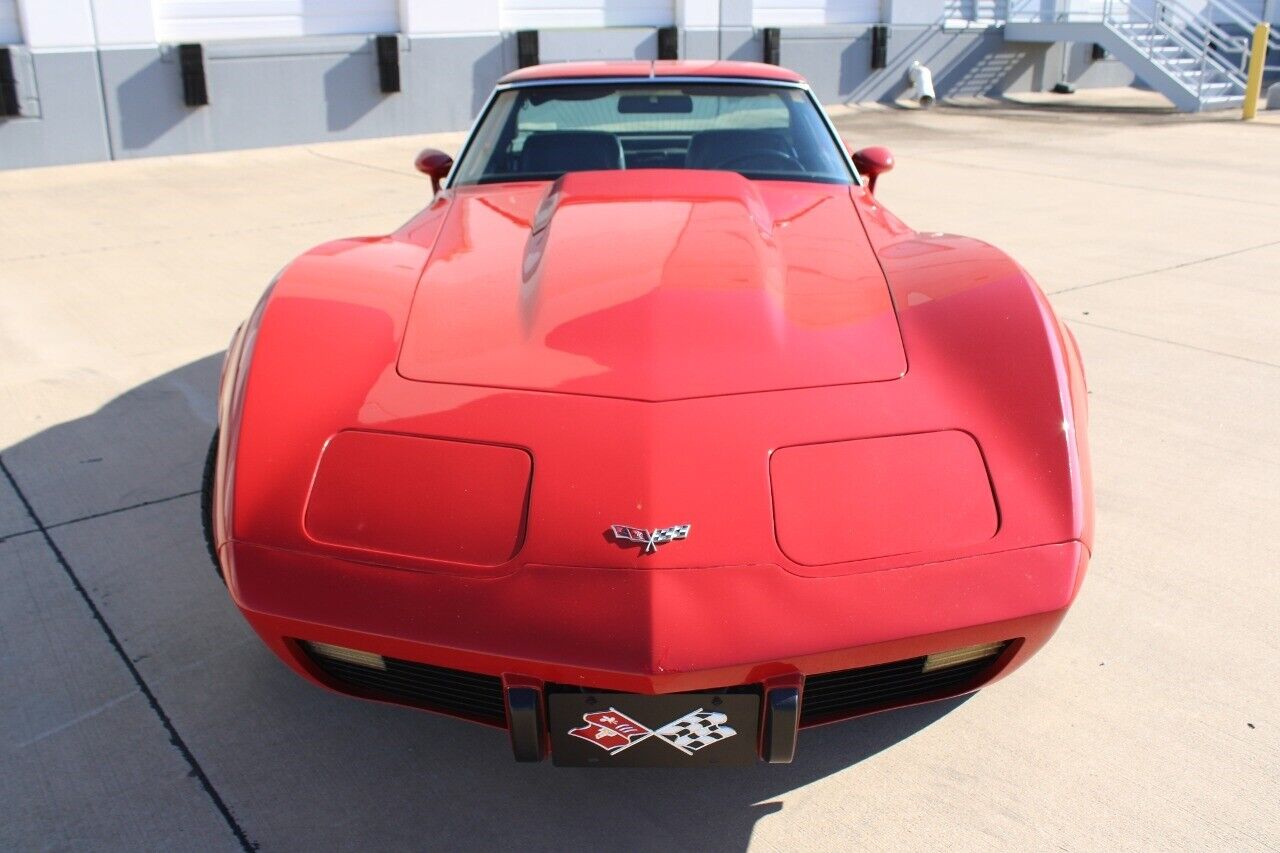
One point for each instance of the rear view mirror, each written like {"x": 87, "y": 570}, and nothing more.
{"x": 655, "y": 104}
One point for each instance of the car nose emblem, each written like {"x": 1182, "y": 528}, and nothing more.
{"x": 650, "y": 539}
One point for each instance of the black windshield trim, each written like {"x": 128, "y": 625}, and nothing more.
{"x": 854, "y": 179}
{"x": 540, "y": 177}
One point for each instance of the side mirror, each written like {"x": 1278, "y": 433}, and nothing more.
{"x": 872, "y": 162}
{"x": 434, "y": 164}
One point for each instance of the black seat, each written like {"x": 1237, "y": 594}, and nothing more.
{"x": 711, "y": 149}
{"x": 556, "y": 151}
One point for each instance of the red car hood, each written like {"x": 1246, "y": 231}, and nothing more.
{"x": 652, "y": 285}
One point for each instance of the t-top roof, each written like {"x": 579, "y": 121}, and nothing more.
{"x": 660, "y": 68}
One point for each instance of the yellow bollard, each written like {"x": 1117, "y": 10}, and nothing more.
{"x": 1257, "y": 58}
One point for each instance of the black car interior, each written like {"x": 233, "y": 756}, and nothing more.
{"x": 559, "y": 151}
{"x": 571, "y": 151}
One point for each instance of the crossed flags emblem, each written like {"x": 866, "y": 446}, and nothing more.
{"x": 613, "y": 731}
{"x": 650, "y": 539}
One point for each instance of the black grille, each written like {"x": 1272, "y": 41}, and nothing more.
{"x": 452, "y": 691}
{"x": 851, "y": 691}
{"x": 480, "y": 697}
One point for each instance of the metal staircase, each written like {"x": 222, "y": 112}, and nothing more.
{"x": 1198, "y": 59}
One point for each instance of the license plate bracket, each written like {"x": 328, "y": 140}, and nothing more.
{"x": 672, "y": 730}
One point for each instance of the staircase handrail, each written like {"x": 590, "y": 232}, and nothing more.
{"x": 1191, "y": 19}
{"x": 1205, "y": 33}
{"x": 1241, "y": 17}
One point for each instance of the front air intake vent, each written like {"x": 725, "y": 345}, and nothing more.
{"x": 436, "y": 688}
{"x": 848, "y": 692}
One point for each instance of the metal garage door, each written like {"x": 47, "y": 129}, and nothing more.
{"x": 802, "y": 13}
{"x": 200, "y": 20}
{"x": 10, "y": 31}
{"x": 537, "y": 14}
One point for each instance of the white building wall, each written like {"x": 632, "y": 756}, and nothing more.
{"x": 207, "y": 20}
{"x": 76, "y": 23}
{"x": 698, "y": 14}
{"x": 62, "y": 24}
{"x": 56, "y": 23}
{"x": 124, "y": 22}
{"x": 807, "y": 13}
{"x": 96, "y": 79}
{"x": 10, "y": 30}
{"x": 434, "y": 17}
{"x": 986, "y": 13}
{"x": 552, "y": 14}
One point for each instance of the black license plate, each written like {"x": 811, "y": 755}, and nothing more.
{"x": 675, "y": 730}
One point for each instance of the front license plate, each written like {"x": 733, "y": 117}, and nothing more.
{"x": 676, "y": 730}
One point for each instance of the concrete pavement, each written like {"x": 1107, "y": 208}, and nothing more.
{"x": 137, "y": 711}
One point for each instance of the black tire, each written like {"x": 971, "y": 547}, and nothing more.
{"x": 206, "y": 504}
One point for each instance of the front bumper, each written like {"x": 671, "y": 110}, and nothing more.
{"x": 656, "y": 631}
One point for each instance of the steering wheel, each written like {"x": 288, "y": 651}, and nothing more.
{"x": 765, "y": 160}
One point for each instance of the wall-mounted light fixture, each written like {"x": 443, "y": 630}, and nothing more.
{"x": 388, "y": 50}
{"x": 879, "y": 47}
{"x": 526, "y": 48}
{"x": 9, "y": 105}
{"x": 668, "y": 43}
{"x": 772, "y": 45}
{"x": 191, "y": 61}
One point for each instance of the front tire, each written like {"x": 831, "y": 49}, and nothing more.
{"x": 206, "y": 504}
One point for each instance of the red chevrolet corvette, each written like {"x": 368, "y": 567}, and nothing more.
{"x": 654, "y": 438}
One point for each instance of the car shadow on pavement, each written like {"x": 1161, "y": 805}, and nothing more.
{"x": 296, "y": 766}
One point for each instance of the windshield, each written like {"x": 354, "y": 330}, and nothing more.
{"x": 760, "y": 131}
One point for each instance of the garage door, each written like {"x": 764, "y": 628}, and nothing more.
{"x": 806, "y": 13}
{"x": 10, "y": 32}
{"x": 538, "y": 14}
{"x": 200, "y": 20}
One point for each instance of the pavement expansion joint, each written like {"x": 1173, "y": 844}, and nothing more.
{"x": 174, "y": 737}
